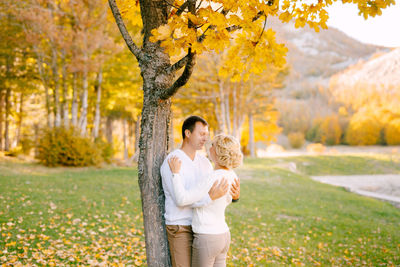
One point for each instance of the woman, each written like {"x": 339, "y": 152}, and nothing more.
{"x": 211, "y": 233}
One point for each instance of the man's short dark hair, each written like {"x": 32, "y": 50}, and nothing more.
{"x": 190, "y": 123}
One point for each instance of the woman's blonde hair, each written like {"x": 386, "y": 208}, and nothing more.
{"x": 228, "y": 151}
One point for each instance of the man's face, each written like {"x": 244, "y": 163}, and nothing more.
{"x": 199, "y": 136}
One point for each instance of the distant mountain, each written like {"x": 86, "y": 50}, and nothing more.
{"x": 382, "y": 70}
{"x": 314, "y": 57}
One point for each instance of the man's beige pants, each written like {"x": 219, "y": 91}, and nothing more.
{"x": 180, "y": 238}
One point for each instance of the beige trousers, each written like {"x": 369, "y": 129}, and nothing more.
{"x": 210, "y": 250}
{"x": 180, "y": 239}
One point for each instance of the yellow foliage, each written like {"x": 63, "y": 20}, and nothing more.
{"x": 392, "y": 132}
{"x": 316, "y": 148}
{"x": 330, "y": 130}
{"x": 264, "y": 131}
{"x": 363, "y": 129}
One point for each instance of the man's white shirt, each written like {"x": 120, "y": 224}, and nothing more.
{"x": 179, "y": 212}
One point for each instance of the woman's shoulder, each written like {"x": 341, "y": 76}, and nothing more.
{"x": 225, "y": 173}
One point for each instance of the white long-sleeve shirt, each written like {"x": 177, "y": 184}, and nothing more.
{"x": 179, "y": 211}
{"x": 208, "y": 219}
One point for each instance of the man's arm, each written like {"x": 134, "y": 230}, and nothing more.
{"x": 196, "y": 196}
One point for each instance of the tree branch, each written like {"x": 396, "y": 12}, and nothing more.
{"x": 182, "y": 8}
{"x": 125, "y": 34}
{"x": 182, "y": 62}
{"x": 230, "y": 28}
{"x": 183, "y": 79}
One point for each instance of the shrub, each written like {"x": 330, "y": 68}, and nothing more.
{"x": 107, "y": 151}
{"x": 392, "y": 132}
{"x": 296, "y": 139}
{"x": 330, "y": 130}
{"x": 363, "y": 130}
{"x": 59, "y": 146}
{"x": 14, "y": 152}
{"x": 314, "y": 133}
{"x": 326, "y": 131}
{"x": 316, "y": 148}
{"x": 26, "y": 145}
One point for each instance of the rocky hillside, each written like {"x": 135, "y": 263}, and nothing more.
{"x": 314, "y": 57}
{"x": 382, "y": 70}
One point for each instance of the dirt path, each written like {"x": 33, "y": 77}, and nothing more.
{"x": 383, "y": 186}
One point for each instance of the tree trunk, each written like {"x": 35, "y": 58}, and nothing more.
{"x": 251, "y": 136}
{"x": 153, "y": 148}
{"x": 125, "y": 140}
{"x": 98, "y": 99}
{"x": 36, "y": 133}
{"x": 45, "y": 84}
{"x": 224, "y": 128}
{"x": 74, "y": 106}
{"x": 20, "y": 117}
{"x": 171, "y": 142}
{"x": 56, "y": 78}
{"x": 227, "y": 114}
{"x": 158, "y": 86}
{"x": 235, "y": 126}
{"x": 137, "y": 134}
{"x": 7, "y": 120}
{"x": 84, "y": 101}
{"x": 64, "y": 103}
{"x": 109, "y": 131}
{"x": 1, "y": 117}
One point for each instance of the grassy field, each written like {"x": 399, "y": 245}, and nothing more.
{"x": 89, "y": 216}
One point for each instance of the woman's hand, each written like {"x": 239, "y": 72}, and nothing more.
{"x": 174, "y": 164}
{"x": 235, "y": 190}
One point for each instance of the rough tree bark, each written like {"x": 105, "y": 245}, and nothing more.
{"x": 158, "y": 86}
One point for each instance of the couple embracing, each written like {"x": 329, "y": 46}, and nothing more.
{"x": 196, "y": 196}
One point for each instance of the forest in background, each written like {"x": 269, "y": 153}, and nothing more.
{"x": 66, "y": 77}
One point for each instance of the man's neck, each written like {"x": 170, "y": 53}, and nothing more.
{"x": 188, "y": 151}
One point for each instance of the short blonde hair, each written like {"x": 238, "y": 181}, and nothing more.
{"x": 228, "y": 151}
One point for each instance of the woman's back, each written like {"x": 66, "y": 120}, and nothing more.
{"x": 210, "y": 219}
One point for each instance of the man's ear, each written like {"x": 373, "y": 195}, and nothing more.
{"x": 187, "y": 133}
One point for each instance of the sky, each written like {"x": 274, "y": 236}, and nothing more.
{"x": 381, "y": 30}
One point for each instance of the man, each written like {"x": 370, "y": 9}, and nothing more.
{"x": 195, "y": 167}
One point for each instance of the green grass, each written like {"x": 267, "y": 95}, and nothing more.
{"x": 336, "y": 165}
{"x": 87, "y": 215}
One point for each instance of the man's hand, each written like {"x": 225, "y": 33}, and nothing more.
{"x": 218, "y": 189}
{"x": 175, "y": 164}
{"x": 235, "y": 190}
